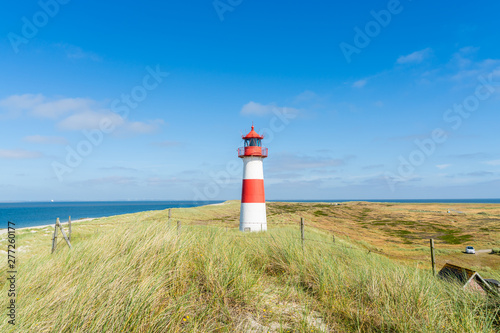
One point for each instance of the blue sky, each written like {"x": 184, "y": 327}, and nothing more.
{"x": 147, "y": 101}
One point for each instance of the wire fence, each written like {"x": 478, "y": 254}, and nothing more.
{"x": 201, "y": 222}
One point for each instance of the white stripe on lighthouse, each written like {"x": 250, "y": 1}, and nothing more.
{"x": 252, "y": 168}
{"x": 253, "y": 217}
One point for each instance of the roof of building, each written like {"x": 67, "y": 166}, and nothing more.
{"x": 461, "y": 274}
{"x": 253, "y": 135}
{"x": 465, "y": 275}
{"x": 493, "y": 282}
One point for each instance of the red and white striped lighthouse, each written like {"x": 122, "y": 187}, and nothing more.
{"x": 253, "y": 201}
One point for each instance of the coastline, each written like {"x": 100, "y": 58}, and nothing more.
{"x": 452, "y": 202}
{"x": 31, "y": 214}
{"x": 3, "y": 231}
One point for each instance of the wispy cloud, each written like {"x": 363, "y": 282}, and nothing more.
{"x": 39, "y": 105}
{"x": 76, "y": 52}
{"x": 139, "y": 127}
{"x": 471, "y": 156}
{"x": 493, "y": 162}
{"x": 52, "y": 140}
{"x": 373, "y": 166}
{"x": 19, "y": 154}
{"x": 21, "y": 102}
{"x": 414, "y": 137}
{"x": 89, "y": 120}
{"x": 305, "y": 96}
{"x": 75, "y": 114}
{"x": 465, "y": 66}
{"x": 364, "y": 81}
{"x": 443, "y": 166}
{"x": 118, "y": 168}
{"x": 480, "y": 174}
{"x": 257, "y": 109}
{"x": 415, "y": 57}
{"x": 288, "y": 161}
{"x": 105, "y": 181}
{"x": 360, "y": 83}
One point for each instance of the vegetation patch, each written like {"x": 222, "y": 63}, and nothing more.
{"x": 453, "y": 238}
{"x": 322, "y": 205}
{"x": 320, "y": 213}
{"x": 394, "y": 222}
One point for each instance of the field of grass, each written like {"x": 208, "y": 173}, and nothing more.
{"x": 139, "y": 273}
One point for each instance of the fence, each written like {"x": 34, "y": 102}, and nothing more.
{"x": 301, "y": 224}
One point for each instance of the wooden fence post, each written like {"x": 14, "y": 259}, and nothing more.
{"x": 69, "y": 223}
{"x": 433, "y": 259}
{"x": 64, "y": 234}
{"x": 333, "y": 236}
{"x": 178, "y": 227}
{"x": 302, "y": 231}
{"x": 54, "y": 237}
{"x": 169, "y": 215}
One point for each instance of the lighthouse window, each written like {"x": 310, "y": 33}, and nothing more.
{"x": 253, "y": 142}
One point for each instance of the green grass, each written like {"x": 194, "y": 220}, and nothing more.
{"x": 143, "y": 276}
{"x": 320, "y": 213}
{"x": 452, "y": 238}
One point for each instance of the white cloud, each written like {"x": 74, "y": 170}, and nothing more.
{"x": 89, "y": 120}
{"x": 92, "y": 119}
{"x": 15, "y": 105}
{"x": 415, "y": 57}
{"x": 56, "y": 140}
{"x": 466, "y": 67}
{"x": 57, "y": 108}
{"x": 288, "y": 161}
{"x": 143, "y": 127}
{"x": 38, "y": 105}
{"x": 75, "y": 52}
{"x": 253, "y": 108}
{"x": 106, "y": 181}
{"x": 257, "y": 109}
{"x": 360, "y": 83}
{"x": 19, "y": 154}
{"x": 76, "y": 114}
{"x": 461, "y": 58}
{"x": 305, "y": 96}
{"x": 494, "y": 162}
{"x": 21, "y": 102}
{"x": 443, "y": 166}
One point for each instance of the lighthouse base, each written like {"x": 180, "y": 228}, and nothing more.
{"x": 253, "y": 217}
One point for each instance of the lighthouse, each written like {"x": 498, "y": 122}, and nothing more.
{"x": 253, "y": 202}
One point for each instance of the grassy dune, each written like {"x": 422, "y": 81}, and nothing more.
{"x": 137, "y": 273}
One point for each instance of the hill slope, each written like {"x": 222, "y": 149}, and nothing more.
{"x": 139, "y": 273}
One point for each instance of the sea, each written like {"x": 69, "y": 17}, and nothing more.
{"x": 32, "y": 214}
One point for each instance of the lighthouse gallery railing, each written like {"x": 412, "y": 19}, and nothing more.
{"x": 252, "y": 151}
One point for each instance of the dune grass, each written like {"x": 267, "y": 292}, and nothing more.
{"x": 144, "y": 276}
{"x": 137, "y": 273}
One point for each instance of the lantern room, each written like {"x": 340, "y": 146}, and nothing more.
{"x": 253, "y": 145}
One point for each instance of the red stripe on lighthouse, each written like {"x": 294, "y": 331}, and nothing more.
{"x": 253, "y": 191}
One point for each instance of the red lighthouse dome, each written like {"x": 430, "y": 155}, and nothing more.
{"x": 253, "y": 145}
